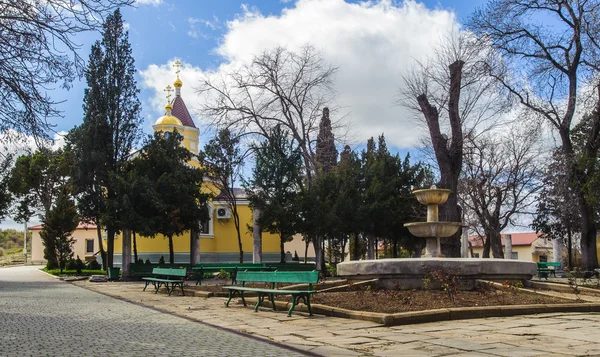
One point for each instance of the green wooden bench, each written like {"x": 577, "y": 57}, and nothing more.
{"x": 273, "y": 278}
{"x": 546, "y": 268}
{"x": 171, "y": 278}
{"x": 199, "y": 270}
{"x": 290, "y": 266}
{"x": 137, "y": 270}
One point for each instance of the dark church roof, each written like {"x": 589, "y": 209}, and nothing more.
{"x": 180, "y": 111}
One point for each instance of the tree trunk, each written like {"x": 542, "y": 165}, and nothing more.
{"x": 101, "y": 247}
{"x": 236, "y": 221}
{"x": 394, "y": 248}
{"x": 126, "y": 254}
{"x": 171, "y": 252}
{"x": 448, "y": 155}
{"x": 316, "y": 241}
{"x": 323, "y": 264}
{"x": 486, "y": 248}
{"x": 281, "y": 249}
{"x": 257, "y": 238}
{"x": 194, "y": 246}
{"x": 110, "y": 246}
{"x": 356, "y": 247}
{"x": 588, "y": 237}
{"x": 496, "y": 244}
{"x": 449, "y": 212}
{"x": 370, "y": 247}
{"x": 306, "y": 245}
{"x": 135, "y": 254}
{"x": 570, "y": 248}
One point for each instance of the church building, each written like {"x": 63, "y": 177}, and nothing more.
{"x": 218, "y": 236}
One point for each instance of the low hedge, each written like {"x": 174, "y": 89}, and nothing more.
{"x": 84, "y": 272}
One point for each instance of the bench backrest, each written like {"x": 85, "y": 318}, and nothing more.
{"x": 292, "y": 277}
{"x": 210, "y": 265}
{"x": 170, "y": 272}
{"x": 546, "y": 265}
{"x": 291, "y": 266}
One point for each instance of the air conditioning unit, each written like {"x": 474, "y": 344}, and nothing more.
{"x": 223, "y": 213}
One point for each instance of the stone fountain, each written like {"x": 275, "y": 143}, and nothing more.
{"x": 408, "y": 273}
{"x": 433, "y": 230}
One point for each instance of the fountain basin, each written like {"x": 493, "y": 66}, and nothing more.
{"x": 433, "y": 229}
{"x": 408, "y": 273}
{"x": 432, "y": 195}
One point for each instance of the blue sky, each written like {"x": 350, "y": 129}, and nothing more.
{"x": 190, "y": 30}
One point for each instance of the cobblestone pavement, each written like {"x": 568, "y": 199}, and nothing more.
{"x": 41, "y": 316}
{"x": 555, "y": 334}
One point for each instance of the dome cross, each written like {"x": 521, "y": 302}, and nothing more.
{"x": 177, "y": 65}
{"x": 168, "y": 90}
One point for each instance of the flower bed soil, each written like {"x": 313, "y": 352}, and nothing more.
{"x": 393, "y": 301}
{"x": 387, "y": 301}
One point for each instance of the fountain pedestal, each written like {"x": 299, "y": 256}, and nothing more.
{"x": 433, "y": 248}
{"x": 432, "y": 230}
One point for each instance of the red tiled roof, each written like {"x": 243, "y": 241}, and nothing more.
{"x": 81, "y": 225}
{"x": 517, "y": 239}
{"x": 180, "y": 111}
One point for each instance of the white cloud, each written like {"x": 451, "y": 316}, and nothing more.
{"x": 194, "y": 32}
{"x": 373, "y": 43}
{"x": 148, "y": 2}
{"x": 126, "y": 26}
{"x": 157, "y": 77}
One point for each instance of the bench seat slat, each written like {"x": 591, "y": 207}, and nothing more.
{"x": 270, "y": 291}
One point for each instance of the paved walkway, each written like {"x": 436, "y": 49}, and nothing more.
{"x": 557, "y": 334}
{"x": 33, "y": 311}
{"x": 41, "y": 316}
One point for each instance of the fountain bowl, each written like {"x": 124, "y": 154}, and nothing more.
{"x": 432, "y": 195}
{"x": 408, "y": 273}
{"x": 433, "y": 229}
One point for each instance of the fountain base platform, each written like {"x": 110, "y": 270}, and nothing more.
{"x": 408, "y": 273}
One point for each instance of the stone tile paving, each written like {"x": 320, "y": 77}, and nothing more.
{"x": 541, "y": 335}
{"x": 555, "y": 334}
{"x": 41, "y": 316}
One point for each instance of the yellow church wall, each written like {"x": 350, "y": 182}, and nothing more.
{"x": 224, "y": 238}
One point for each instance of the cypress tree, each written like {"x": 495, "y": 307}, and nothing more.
{"x": 326, "y": 153}
{"x": 110, "y": 130}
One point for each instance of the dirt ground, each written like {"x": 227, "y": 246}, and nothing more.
{"x": 392, "y": 301}
{"x": 389, "y": 301}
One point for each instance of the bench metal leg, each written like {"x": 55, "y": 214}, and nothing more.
{"x": 232, "y": 294}
{"x": 272, "y": 299}
{"x": 296, "y": 300}
{"x": 145, "y": 286}
{"x": 261, "y": 298}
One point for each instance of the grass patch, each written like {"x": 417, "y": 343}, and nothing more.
{"x": 84, "y": 272}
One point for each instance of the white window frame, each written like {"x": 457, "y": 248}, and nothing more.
{"x": 86, "y": 247}
{"x": 211, "y": 223}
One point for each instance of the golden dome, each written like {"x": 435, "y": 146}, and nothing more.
{"x": 168, "y": 120}
{"x": 177, "y": 83}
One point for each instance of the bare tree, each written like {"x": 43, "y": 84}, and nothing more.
{"x": 500, "y": 177}
{"x": 37, "y": 52}
{"x": 279, "y": 87}
{"x": 456, "y": 99}
{"x": 545, "y": 68}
